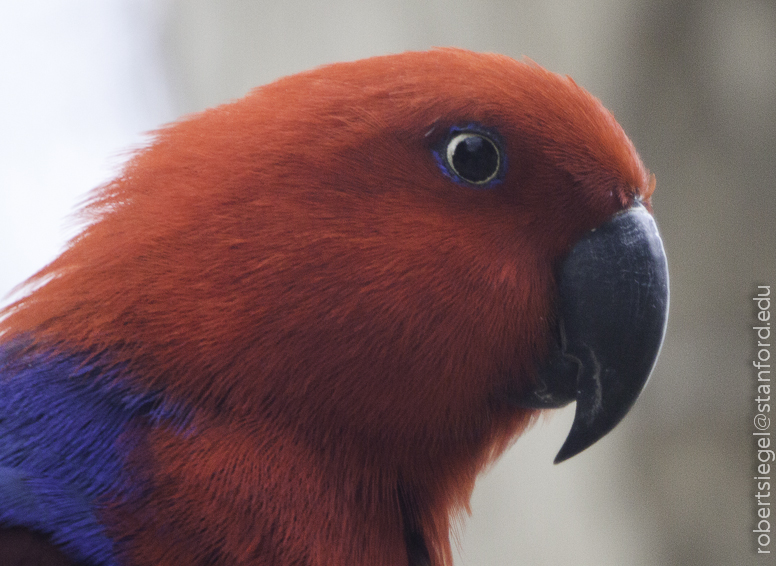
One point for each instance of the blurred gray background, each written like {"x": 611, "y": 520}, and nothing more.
{"x": 694, "y": 85}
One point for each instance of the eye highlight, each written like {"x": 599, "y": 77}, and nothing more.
{"x": 472, "y": 157}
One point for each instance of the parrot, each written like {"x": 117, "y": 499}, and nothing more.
{"x": 297, "y": 326}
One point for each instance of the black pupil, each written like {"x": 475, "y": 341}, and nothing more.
{"x": 475, "y": 159}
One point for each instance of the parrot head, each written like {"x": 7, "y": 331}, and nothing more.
{"x": 395, "y": 262}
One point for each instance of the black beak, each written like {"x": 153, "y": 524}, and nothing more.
{"x": 613, "y": 308}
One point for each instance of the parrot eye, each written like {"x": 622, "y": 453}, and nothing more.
{"x": 472, "y": 157}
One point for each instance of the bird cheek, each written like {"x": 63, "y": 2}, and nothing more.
{"x": 505, "y": 275}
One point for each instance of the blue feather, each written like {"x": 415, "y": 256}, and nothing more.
{"x": 61, "y": 417}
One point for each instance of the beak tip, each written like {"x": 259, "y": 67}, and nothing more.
{"x": 580, "y": 438}
{"x": 563, "y": 455}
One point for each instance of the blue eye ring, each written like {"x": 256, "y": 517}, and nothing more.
{"x": 472, "y": 156}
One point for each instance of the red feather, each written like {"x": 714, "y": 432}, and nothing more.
{"x": 340, "y": 314}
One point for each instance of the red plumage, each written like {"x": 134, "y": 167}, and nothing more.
{"x": 341, "y": 316}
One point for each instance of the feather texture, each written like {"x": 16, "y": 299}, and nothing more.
{"x": 283, "y": 334}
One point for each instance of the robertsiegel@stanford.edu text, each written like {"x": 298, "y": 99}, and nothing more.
{"x": 762, "y": 420}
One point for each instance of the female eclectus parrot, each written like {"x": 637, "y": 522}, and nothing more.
{"x": 297, "y": 326}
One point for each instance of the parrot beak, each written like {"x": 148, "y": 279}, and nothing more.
{"x": 613, "y": 308}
